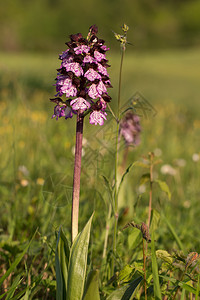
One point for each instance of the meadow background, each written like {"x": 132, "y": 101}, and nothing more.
{"x": 36, "y": 152}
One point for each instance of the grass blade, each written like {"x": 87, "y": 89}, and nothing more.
{"x": 156, "y": 283}
{"x": 17, "y": 261}
{"x": 198, "y": 288}
{"x": 178, "y": 241}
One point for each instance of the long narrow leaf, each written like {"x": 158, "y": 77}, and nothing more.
{"x": 110, "y": 189}
{"x": 156, "y": 283}
{"x": 78, "y": 264}
{"x": 126, "y": 291}
{"x": 17, "y": 261}
{"x": 61, "y": 259}
{"x": 198, "y": 288}
{"x": 178, "y": 241}
{"x": 124, "y": 175}
{"x": 92, "y": 286}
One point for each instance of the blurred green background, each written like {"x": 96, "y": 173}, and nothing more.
{"x": 45, "y": 24}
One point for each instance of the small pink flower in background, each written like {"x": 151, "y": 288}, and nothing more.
{"x": 80, "y": 103}
{"x": 97, "y": 117}
{"x": 130, "y": 129}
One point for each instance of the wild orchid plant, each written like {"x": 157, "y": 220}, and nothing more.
{"x": 83, "y": 80}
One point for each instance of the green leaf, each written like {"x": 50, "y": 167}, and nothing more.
{"x": 124, "y": 175}
{"x": 92, "y": 286}
{"x": 78, "y": 264}
{"x": 164, "y": 187}
{"x": 126, "y": 291}
{"x": 134, "y": 238}
{"x": 198, "y": 288}
{"x": 61, "y": 259}
{"x": 155, "y": 219}
{"x": 17, "y": 261}
{"x": 156, "y": 283}
{"x": 178, "y": 241}
{"x": 144, "y": 178}
{"x": 187, "y": 287}
{"x": 125, "y": 274}
{"x": 110, "y": 190}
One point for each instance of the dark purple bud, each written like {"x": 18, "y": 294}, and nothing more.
{"x": 93, "y": 29}
{"x": 76, "y": 37}
{"x": 106, "y": 97}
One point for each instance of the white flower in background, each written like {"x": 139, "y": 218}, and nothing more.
{"x": 168, "y": 169}
{"x": 142, "y": 189}
{"x": 157, "y": 152}
{"x": 23, "y": 170}
{"x": 195, "y": 157}
{"x": 180, "y": 162}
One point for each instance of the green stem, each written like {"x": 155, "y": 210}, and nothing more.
{"x": 116, "y": 214}
{"x": 77, "y": 175}
{"x": 151, "y": 155}
{"x": 144, "y": 268}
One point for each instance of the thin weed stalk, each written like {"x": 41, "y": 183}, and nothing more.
{"x": 151, "y": 156}
{"x": 116, "y": 214}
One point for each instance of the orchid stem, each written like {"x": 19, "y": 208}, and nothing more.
{"x": 77, "y": 175}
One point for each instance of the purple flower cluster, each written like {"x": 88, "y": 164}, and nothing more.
{"x": 83, "y": 78}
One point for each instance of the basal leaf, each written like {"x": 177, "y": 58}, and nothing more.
{"x": 61, "y": 258}
{"x": 78, "y": 264}
{"x": 92, "y": 286}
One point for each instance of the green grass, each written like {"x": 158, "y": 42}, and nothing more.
{"x": 169, "y": 81}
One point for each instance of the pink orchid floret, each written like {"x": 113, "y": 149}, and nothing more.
{"x": 82, "y": 49}
{"x": 75, "y": 68}
{"x": 80, "y": 103}
{"x": 99, "y": 56}
{"x": 62, "y": 111}
{"x": 101, "y": 69}
{"x": 88, "y": 59}
{"x": 101, "y": 88}
{"x": 92, "y": 75}
{"x": 97, "y": 117}
{"x": 92, "y": 92}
